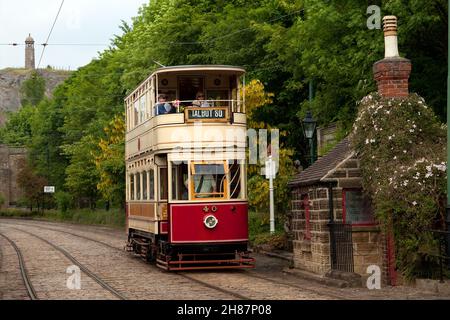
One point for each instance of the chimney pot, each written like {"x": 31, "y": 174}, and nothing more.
{"x": 392, "y": 73}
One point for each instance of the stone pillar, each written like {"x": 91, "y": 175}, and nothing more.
{"x": 29, "y": 53}
{"x": 392, "y": 73}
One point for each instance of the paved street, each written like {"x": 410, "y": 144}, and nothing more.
{"x": 108, "y": 272}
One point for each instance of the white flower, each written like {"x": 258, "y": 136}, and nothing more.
{"x": 404, "y": 151}
{"x": 414, "y": 203}
{"x": 411, "y": 130}
{"x": 372, "y": 140}
{"x": 388, "y": 111}
{"x": 395, "y": 158}
{"x": 390, "y": 137}
{"x": 367, "y": 141}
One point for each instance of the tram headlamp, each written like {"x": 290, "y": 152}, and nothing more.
{"x": 210, "y": 221}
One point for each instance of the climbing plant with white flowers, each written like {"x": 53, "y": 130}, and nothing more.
{"x": 402, "y": 148}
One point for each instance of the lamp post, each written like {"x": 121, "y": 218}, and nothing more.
{"x": 309, "y": 128}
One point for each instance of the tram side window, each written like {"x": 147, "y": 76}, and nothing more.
{"x": 151, "y": 184}
{"x": 180, "y": 180}
{"x": 235, "y": 180}
{"x": 163, "y": 183}
{"x": 131, "y": 187}
{"x": 136, "y": 113}
{"x": 144, "y": 185}
{"x": 142, "y": 109}
{"x": 138, "y": 186}
{"x": 208, "y": 180}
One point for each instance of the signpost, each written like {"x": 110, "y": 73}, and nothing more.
{"x": 49, "y": 189}
{"x": 271, "y": 174}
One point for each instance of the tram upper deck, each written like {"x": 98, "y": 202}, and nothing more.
{"x": 221, "y": 112}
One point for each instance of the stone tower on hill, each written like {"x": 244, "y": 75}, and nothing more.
{"x": 29, "y": 53}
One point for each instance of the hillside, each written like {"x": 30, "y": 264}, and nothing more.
{"x": 11, "y": 81}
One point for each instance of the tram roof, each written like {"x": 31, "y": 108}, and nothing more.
{"x": 193, "y": 68}
{"x": 208, "y": 67}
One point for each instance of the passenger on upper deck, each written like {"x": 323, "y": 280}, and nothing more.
{"x": 201, "y": 102}
{"x": 163, "y": 107}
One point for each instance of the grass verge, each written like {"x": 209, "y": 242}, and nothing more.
{"x": 112, "y": 218}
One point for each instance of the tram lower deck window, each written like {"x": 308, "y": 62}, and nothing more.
{"x": 208, "y": 180}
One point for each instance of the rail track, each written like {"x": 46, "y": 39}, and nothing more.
{"x": 23, "y": 270}
{"x": 206, "y": 284}
{"x": 83, "y": 268}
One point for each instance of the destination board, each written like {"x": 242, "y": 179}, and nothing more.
{"x": 206, "y": 114}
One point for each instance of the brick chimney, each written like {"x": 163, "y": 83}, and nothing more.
{"x": 392, "y": 73}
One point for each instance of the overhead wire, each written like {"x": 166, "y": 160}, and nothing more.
{"x": 50, "y": 33}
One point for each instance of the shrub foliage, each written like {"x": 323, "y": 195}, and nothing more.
{"x": 402, "y": 145}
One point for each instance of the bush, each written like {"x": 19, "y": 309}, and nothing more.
{"x": 259, "y": 231}
{"x": 2, "y": 200}
{"x": 64, "y": 201}
{"x": 402, "y": 147}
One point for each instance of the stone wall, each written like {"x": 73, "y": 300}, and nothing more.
{"x": 10, "y": 159}
{"x": 313, "y": 253}
{"x": 11, "y": 81}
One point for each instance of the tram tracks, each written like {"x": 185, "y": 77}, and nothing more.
{"x": 23, "y": 270}
{"x": 236, "y": 295}
{"x": 83, "y": 268}
{"x": 203, "y": 283}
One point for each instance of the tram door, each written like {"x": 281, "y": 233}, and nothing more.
{"x": 163, "y": 186}
{"x": 188, "y": 86}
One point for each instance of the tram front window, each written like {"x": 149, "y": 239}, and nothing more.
{"x": 208, "y": 180}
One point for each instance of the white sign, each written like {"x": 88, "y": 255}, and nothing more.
{"x": 270, "y": 169}
{"x": 49, "y": 189}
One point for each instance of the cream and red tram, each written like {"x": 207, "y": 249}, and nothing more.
{"x": 186, "y": 201}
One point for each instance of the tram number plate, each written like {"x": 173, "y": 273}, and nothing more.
{"x": 207, "y": 114}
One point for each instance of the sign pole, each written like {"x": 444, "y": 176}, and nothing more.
{"x": 272, "y": 210}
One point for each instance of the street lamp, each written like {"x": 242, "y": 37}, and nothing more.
{"x": 309, "y": 127}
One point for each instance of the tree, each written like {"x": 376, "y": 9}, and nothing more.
{"x": 31, "y": 184}
{"x": 33, "y": 89}
{"x": 109, "y": 161}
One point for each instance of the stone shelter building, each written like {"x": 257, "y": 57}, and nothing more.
{"x": 332, "y": 218}
{"x": 10, "y": 159}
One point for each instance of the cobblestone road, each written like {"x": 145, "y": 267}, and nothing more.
{"x": 49, "y": 248}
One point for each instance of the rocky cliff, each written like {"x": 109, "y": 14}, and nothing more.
{"x": 11, "y": 80}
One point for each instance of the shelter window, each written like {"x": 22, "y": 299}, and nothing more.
{"x": 357, "y": 208}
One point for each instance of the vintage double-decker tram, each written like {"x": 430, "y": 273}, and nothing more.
{"x": 186, "y": 201}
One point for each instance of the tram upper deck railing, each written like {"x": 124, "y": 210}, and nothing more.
{"x": 194, "y": 110}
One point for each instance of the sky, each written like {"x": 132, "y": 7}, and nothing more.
{"x": 80, "y": 21}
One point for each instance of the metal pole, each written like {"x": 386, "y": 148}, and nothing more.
{"x": 311, "y": 151}
{"x": 272, "y": 210}
{"x": 448, "y": 133}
